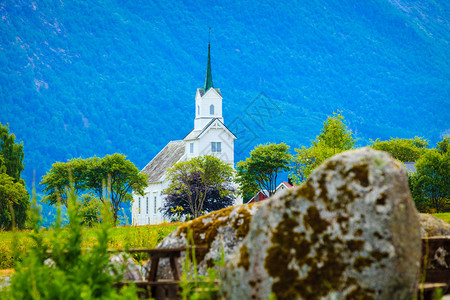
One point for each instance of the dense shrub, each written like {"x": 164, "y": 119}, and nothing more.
{"x": 57, "y": 267}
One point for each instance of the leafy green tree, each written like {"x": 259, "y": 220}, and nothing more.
{"x": 176, "y": 205}
{"x": 89, "y": 209}
{"x": 333, "y": 139}
{"x": 62, "y": 175}
{"x": 444, "y": 145}
{"x": 194, "y": 180}
{"x": 122, "y": 178}
{"x": 261, "y": 169}
{"x": 430, "y": 184}
{"x": 93, "y": 175}
{"x": 14, "y": 199}
{"x": 11, "y": 153}
{"x": 405, "y": 150}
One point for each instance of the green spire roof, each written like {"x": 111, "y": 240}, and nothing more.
{"x": 208, "y": 79}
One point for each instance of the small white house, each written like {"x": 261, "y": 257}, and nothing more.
{"x": 210, "y": 136}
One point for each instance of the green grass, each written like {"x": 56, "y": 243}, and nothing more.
{"x": 122, "y": 237}
{"x": 443, "y": 216}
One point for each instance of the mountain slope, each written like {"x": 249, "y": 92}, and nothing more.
{"x": 84, "y": 78}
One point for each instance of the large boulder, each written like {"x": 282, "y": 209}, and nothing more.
{"x": 218, "y": 231}
{"x": 432, "y": 226}
{"x": 351, "y": 231}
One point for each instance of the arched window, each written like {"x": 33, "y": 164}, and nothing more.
{"x": 198, "y": 109}
{"x": 211, "y": 109}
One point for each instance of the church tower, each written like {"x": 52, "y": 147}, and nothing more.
{"x": 208, "y": 100}
{"x": 210, "y": 136}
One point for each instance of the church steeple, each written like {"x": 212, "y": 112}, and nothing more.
{"x": 208, "y": 100}
{"x": 208, "y": 79}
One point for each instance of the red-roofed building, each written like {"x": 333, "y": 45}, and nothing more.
{"x": 263, "y": 194}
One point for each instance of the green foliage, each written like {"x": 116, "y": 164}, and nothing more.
{"x": 57, "y": 181}
{"x": 14, "y": 199}
{"x": 59, "y": 268}
{"x": 443, "y": 146}
{"x": 429, "y": 185}
{"x": 443, "y": 216}
{"x": 90, "y": 208}
{"x": 11, "y": 155}
{"x": 333, "y": 139}
{"x": 405, "y": 150}
{"x": 14, "y": 202}
{"x": 96, "y": 62}
{"x": 121, "y": 238}
{"x": 90, "y": 175}
{"x": 207, "y": 172}
{"x": 260, "y": 170}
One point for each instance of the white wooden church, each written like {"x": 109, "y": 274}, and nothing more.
{"x": 210, "y": 136}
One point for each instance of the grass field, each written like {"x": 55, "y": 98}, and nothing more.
{"x": 443, "y": 216}
{"x": 121, "y": 237}
{"x": 126, "y": 236}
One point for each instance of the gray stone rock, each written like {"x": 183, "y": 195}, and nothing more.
{"x": 432, "y": 226}
{"x": 351, "y": 231}
{"x": 5, "y": 282}
{"x": 219, "y": 230}
{"x": 124, "y": 262}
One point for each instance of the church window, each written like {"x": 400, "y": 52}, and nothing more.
{"x": 191, "y": 145}
{"x": 139, "y": 204}
{"x": 146, "y": 206}
{"x": 155, "y": 204}
{"x": 216, "y": 147}
{"x": 198, "y": 109}
{"x": 211, "y": 110}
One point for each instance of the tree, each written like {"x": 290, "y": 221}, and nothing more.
{"x": 12, "y": 154}
{"x": 90, "y": 209}
{"x": 199, "y": 184}
{"x": 14, "y": 199}
{"x": 121, "y": 177}
{"x": 112, "y": 177}
{"x": 261, "y": 169}
{"x": 405, "y": 150}
{"x": 430, "y": 184}
{"x": 444, "y": 145}
{"x": 176, "y": 205}
{"x": 62, "y": 175}
{"x": 333, "y": 139}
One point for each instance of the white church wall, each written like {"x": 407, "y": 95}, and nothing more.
{"x": 195, "y": 148}
{"x": 143, "y": 208}
{"x": 218, "y": 135}
{"x": 203, "y": 105}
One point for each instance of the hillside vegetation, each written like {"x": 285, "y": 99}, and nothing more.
{"x": 84, "y": 78}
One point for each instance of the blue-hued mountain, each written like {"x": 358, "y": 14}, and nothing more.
{"x": 84, "y": 78}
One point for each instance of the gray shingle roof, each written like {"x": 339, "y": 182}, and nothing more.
{"x": 171, "y": 153}
{"x": 192, "y": 135}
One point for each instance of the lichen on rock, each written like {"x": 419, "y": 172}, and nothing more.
{"x": 218, "y": 231}
{"x": 350, "y": 231}
{"x": 432, "y": 226}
